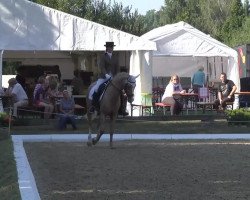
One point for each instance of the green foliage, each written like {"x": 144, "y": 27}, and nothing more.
{"x": 4, "y": 119}
{"x": 10, "y": 67}
{"x": 235, "y": 20}
{"x": 238, "y": 116}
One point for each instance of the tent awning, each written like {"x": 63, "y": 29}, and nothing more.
{"x": 29, "y": 26}
{"x": 181, "y": 39}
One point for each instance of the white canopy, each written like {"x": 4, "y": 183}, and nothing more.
{"x": 27, "y": 26}
{"x": 183, "y": 40}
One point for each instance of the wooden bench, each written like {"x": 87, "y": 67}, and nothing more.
{"x": 30, "y": 111}
{"x": 205, "y": 106}
{"x": 209, "y": 105}
{"x": 163, "y": 106}
{"x": 230, "y": 104}
{"x": 142, "y": 109}
{"x": 79, "y": 110}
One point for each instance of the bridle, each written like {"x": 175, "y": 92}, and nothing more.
{"x": 131, "y": 82}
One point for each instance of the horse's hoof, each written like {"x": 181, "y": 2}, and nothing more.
{"x": 89, "y": 144}
{"x": 94, "y": 141}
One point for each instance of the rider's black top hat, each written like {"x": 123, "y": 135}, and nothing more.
{"x": 109, "y": 44}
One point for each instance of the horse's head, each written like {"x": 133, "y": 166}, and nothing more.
{"x": 130, "y": 87}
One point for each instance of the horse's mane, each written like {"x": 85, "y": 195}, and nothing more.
{"x": 120, "y": 76}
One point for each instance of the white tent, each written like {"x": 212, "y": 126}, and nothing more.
{"x": 181, "y": 47}
{"x": 27, "y": 26}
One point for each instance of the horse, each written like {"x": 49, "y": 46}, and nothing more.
{"x": 110, "y": 103}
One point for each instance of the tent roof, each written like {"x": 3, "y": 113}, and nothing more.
{"x": 181, "y": 39}
{"x": 26, "y": 25}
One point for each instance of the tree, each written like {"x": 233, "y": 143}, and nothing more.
{"x": 234, "y": 22}
{"x": 150, "y": 21}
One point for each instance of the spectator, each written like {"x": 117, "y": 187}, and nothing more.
{"x": 41, "y": 98}
{"x": 173, "y": 88}
{"x": 198, "y": 79}
{"x": 19, "y": 96}
{"x": 226, "y": 91}
{"x": 67, "y": 106}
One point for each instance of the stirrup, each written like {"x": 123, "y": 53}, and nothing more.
{"x": 91, "y": 109}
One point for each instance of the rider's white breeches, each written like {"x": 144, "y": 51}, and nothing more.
{"x": 96, "y": 86}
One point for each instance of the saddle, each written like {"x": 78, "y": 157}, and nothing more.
{"x": 97, "y": 96}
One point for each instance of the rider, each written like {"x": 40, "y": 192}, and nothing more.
{"x": 109, "y": 67}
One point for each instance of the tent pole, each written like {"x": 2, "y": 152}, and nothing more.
{"x": 1, "y": 73}
{"x": 207, "y": 78}
{"x": 1, "y": 68}
{"x": 222, "y": 64}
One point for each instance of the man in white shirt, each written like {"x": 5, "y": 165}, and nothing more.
{"x": 19, "y": 96}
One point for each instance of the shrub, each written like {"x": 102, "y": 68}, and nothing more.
{"x": 238, "y": 116}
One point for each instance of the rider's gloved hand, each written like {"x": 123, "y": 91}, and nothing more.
{"x": 107, "y": 76}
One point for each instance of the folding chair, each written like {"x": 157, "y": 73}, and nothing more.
{"x": 203, "y": 100}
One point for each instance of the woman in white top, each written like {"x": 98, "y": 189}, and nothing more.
{"x": 173, "y": 88}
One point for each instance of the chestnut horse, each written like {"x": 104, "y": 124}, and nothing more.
{"x": 110, "y": 103}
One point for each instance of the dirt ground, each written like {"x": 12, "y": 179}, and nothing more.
{"x": 142, "y": 170}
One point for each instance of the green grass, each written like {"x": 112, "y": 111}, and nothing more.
{"x": 178, "y": 127}
{"x": 129, "y": 125}
{"x": 9, "y": 189}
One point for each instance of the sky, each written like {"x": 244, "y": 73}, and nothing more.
{"x": 141, "y": 5}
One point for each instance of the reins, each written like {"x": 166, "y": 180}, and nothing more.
{"x": 120, "y": 90}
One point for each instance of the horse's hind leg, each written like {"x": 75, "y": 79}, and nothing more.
{"x": 111, "y": 140}
{"x": 89, "y": 142}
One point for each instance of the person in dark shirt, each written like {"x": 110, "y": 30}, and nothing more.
{"x": 226, "y": 91}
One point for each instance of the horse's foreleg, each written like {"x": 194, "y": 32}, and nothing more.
{"x": 97, "y": 138}
{"x": 112, "y": 128}
{"x": 99, "y": 135}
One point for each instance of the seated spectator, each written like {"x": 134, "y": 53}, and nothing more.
{"x": 52, "y": 91}
{"x": 66, "y": 108}
{"x": 40, "y": 82}
{"x": 19, "y": 96}
{"x": 42, "y": 99}
{"x": 174, "y": 87}
{"x": 226, "y": 91}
